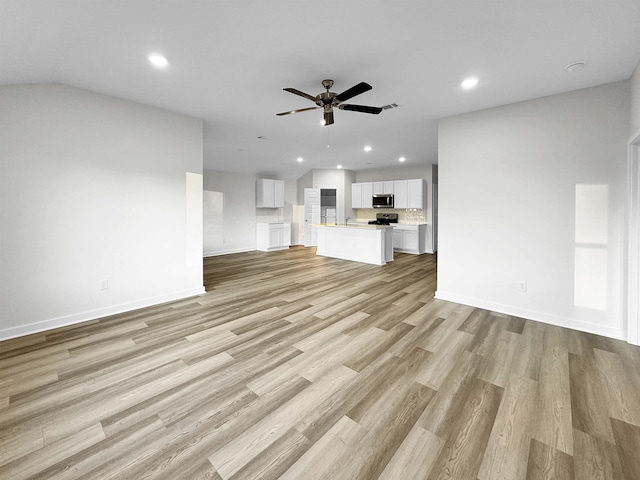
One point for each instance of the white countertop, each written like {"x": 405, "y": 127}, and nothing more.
{"x": 365, "y": 222}
{"x": 359, "y": 226}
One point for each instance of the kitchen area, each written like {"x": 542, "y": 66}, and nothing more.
{"x": 390, "y": 216}
{"x": 364, "y": 221}
{"x": 243, "y": 213}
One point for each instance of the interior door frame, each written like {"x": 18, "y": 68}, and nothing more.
{"x": 338, "y": 199}
{"x": 307, "y": 241}
{"x": 633, "y": 252}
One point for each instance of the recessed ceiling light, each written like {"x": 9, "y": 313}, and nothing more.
{"x": 300, "y": 159}
{"x": 322, "y": 122}
{"x": 158, "y": 60}
{"x": 367, "y": 148}
{"x": 401, "y": 159}
{"x": 468, "y": 83}
{"x": 339, "y": 167}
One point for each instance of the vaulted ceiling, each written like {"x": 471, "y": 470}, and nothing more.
{"x": 230, "y": 60}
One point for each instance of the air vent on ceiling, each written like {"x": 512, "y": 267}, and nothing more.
{"x": 572, "y": 67}
{"x": 391, "y": 105}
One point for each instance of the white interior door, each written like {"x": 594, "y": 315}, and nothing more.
{"x": 311, "y": 215}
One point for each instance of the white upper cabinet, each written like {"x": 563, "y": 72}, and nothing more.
{"x": 406, "y": 193}
{"x": 367, "y": 195}
{"x": 356, "y": 195}
{"x": 416, "y": 193}
{"x": 383, "y": 187}
{"x": 269, "y": 193}
{"x": 278, "y": 194}
{"x": 400, "y": 194}
{"x": 362, "y": 195}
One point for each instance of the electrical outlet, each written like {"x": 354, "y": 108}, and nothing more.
{"x": 103, "y": 284}
{"x": 522, "y": 286}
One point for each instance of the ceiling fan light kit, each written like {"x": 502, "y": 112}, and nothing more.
{"x": 328, "y": 100}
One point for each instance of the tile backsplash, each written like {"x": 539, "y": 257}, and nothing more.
{"x": 405, "y": 215}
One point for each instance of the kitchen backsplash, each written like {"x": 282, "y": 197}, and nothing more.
{"x": 405, "y": 215}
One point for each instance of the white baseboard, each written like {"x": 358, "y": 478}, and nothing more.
{"x": 227, "y": 252}
{"x": 566, "y": 322}
{"x": 13, "y": 332}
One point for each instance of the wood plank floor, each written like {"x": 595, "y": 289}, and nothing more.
{"x": 298, "y": 367}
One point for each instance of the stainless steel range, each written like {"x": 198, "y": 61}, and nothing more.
{"x": 384, "y": 219}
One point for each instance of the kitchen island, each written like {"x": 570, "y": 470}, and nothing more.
{"x": 360, "y": 243}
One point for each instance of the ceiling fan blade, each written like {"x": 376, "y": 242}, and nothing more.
{"x": 353, "y": 91}
{"x": 302, "y": 94}
{"x": 296, "y": 111}
{"x": 361, "y": 108}
{"x": 328, "y": 116}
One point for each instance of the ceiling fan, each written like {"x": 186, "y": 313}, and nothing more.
{"x": 328, "y": 100}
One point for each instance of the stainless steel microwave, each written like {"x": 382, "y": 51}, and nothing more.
{"x": 383, "y": 200}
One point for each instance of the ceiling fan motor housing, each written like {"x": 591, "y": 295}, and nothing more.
{"x": 326, "y": 98}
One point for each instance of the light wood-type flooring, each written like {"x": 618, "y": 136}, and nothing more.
{"x": 299, "y": 367}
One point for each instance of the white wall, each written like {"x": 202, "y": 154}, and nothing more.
{"x": 321, "y": 178}
{"x": 535, "y": 192}
{"x": 305, "y": 181}
{"x": 93, "y": 188}
{"x": 635, "y": 102}
{"x": 230, "y": 212}
{"x": 403, "y": 172}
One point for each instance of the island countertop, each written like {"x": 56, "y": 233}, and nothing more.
{"x": 355, "y": 225}
{"x": 360, "y": 243}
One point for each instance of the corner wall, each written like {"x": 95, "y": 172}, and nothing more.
{"x": 94, "y": 188}
{"x": 635, "y": 102}
{"x": 230, "y": 212}
{"x": 536, "y": 192}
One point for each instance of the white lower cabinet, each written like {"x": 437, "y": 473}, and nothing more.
{"x": 273, "y": 236}
{"x": 410, "y": 238}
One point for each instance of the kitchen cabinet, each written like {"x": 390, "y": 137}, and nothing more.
{"x": 409, "y": 193}
{"x": 406, "y": 193}
{"x": 385, "y": 187}
{"x": 361, "y": 195}
{"x": 400, "y": 194}
{"x": 356, "y": 195}
{"x": 416, "y": 193}
{"x": 367, "y": 195}
{"x": 410, "y": 238}
{"x": 269, "y": 193}
{"x": 273, "y": 236}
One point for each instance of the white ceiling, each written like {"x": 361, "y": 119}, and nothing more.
{"x": 230, "y": 60}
